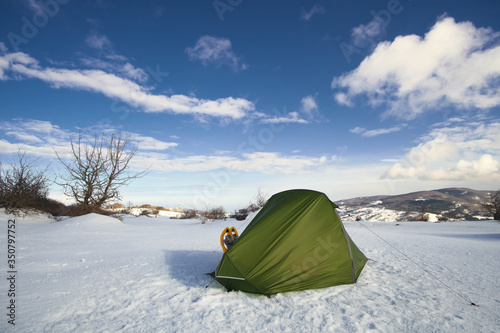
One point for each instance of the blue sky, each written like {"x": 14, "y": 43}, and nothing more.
{"x": 224, "y": 97}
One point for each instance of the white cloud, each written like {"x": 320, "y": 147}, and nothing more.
{"x": 307, "y": 15}
{"x": 398, "y": 171}
{"x": 24, "y": 137}
{"x": 124, "y": 69}
{"x": 309, "y": 105}
{"x": 7, "y": 147}
{"x": 216, "y": 51}
{"x": 133, "y": 73}
{"x": 461, "y": 153}
{"x": 358, "y": 130}
{"x": 376, "y": 132}
{"x": 116, "y": 57}
{"x": 98, "y": 41}
{"x": 380, "y": 131}
{"x": 113, "y": 62}
{"x": 486, "y": 167}
{"x": 149, "y": 143}
{"x": 293, "y": 117}
{"x": 454, "y": 64}
{"x": 35, "y": 137}
{"x": 343, "y": 99}
{"x": 275, "y": 163}
{"x": 7, "y": 60}
{"x": 123, "y": 89}
{"x": 34, "y": 131}
{"x": 233, "y": 162}
{"x": 368, "y": 34}
{"x": 41, "y": 138}
{"x": 440, "y": 148}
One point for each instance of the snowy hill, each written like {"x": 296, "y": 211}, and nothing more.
{"x": 97, "y": 274}
{"x": 452, "y": 204}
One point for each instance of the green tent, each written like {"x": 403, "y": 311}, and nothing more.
{"x": 296, "y": 242}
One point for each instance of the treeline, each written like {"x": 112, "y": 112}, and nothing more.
{"x": 94, "y": 173}
{"x": 25, "y": 187}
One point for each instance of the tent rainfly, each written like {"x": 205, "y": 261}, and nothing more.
{"x": 296, "y": 242}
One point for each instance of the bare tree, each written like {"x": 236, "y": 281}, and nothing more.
{"x": 22, "y": 185}
{"x": 492, "y": 204}
{"x": 423, "y": 215}
{"x": 260, "y": 198}
{"x": 259, "y": 201}
{"x": 98, "y": 169}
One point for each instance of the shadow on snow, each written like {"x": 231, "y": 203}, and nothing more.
{"x": 191, "y": 267}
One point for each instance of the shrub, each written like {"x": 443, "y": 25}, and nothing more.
{"x": 189, "y": 214}
{"x": 116, "y": 206}
{"x": 51, "y": 206}
{"x": 259, "y": 202}
{"x": 22, "y": 185}
{"x": 253, "y": 207}
{"x": 217, "y": 213}
{"x": 240, "y": 214}
{"x": 80, "y": 209}
{"x": 149, "y": 211}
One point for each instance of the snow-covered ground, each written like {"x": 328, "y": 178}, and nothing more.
{"x": 370, "y": 213}
{"x": 140, "y": 211}
{"x": 374, "y": 213}
{"x": 97, "y": 274}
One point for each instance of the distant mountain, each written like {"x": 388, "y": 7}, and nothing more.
{"x": 444, "y": 204}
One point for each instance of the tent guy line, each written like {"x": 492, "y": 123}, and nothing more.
{"x": 421, "y": 267}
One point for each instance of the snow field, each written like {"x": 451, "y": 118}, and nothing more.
{"x": 97, "y": 274}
